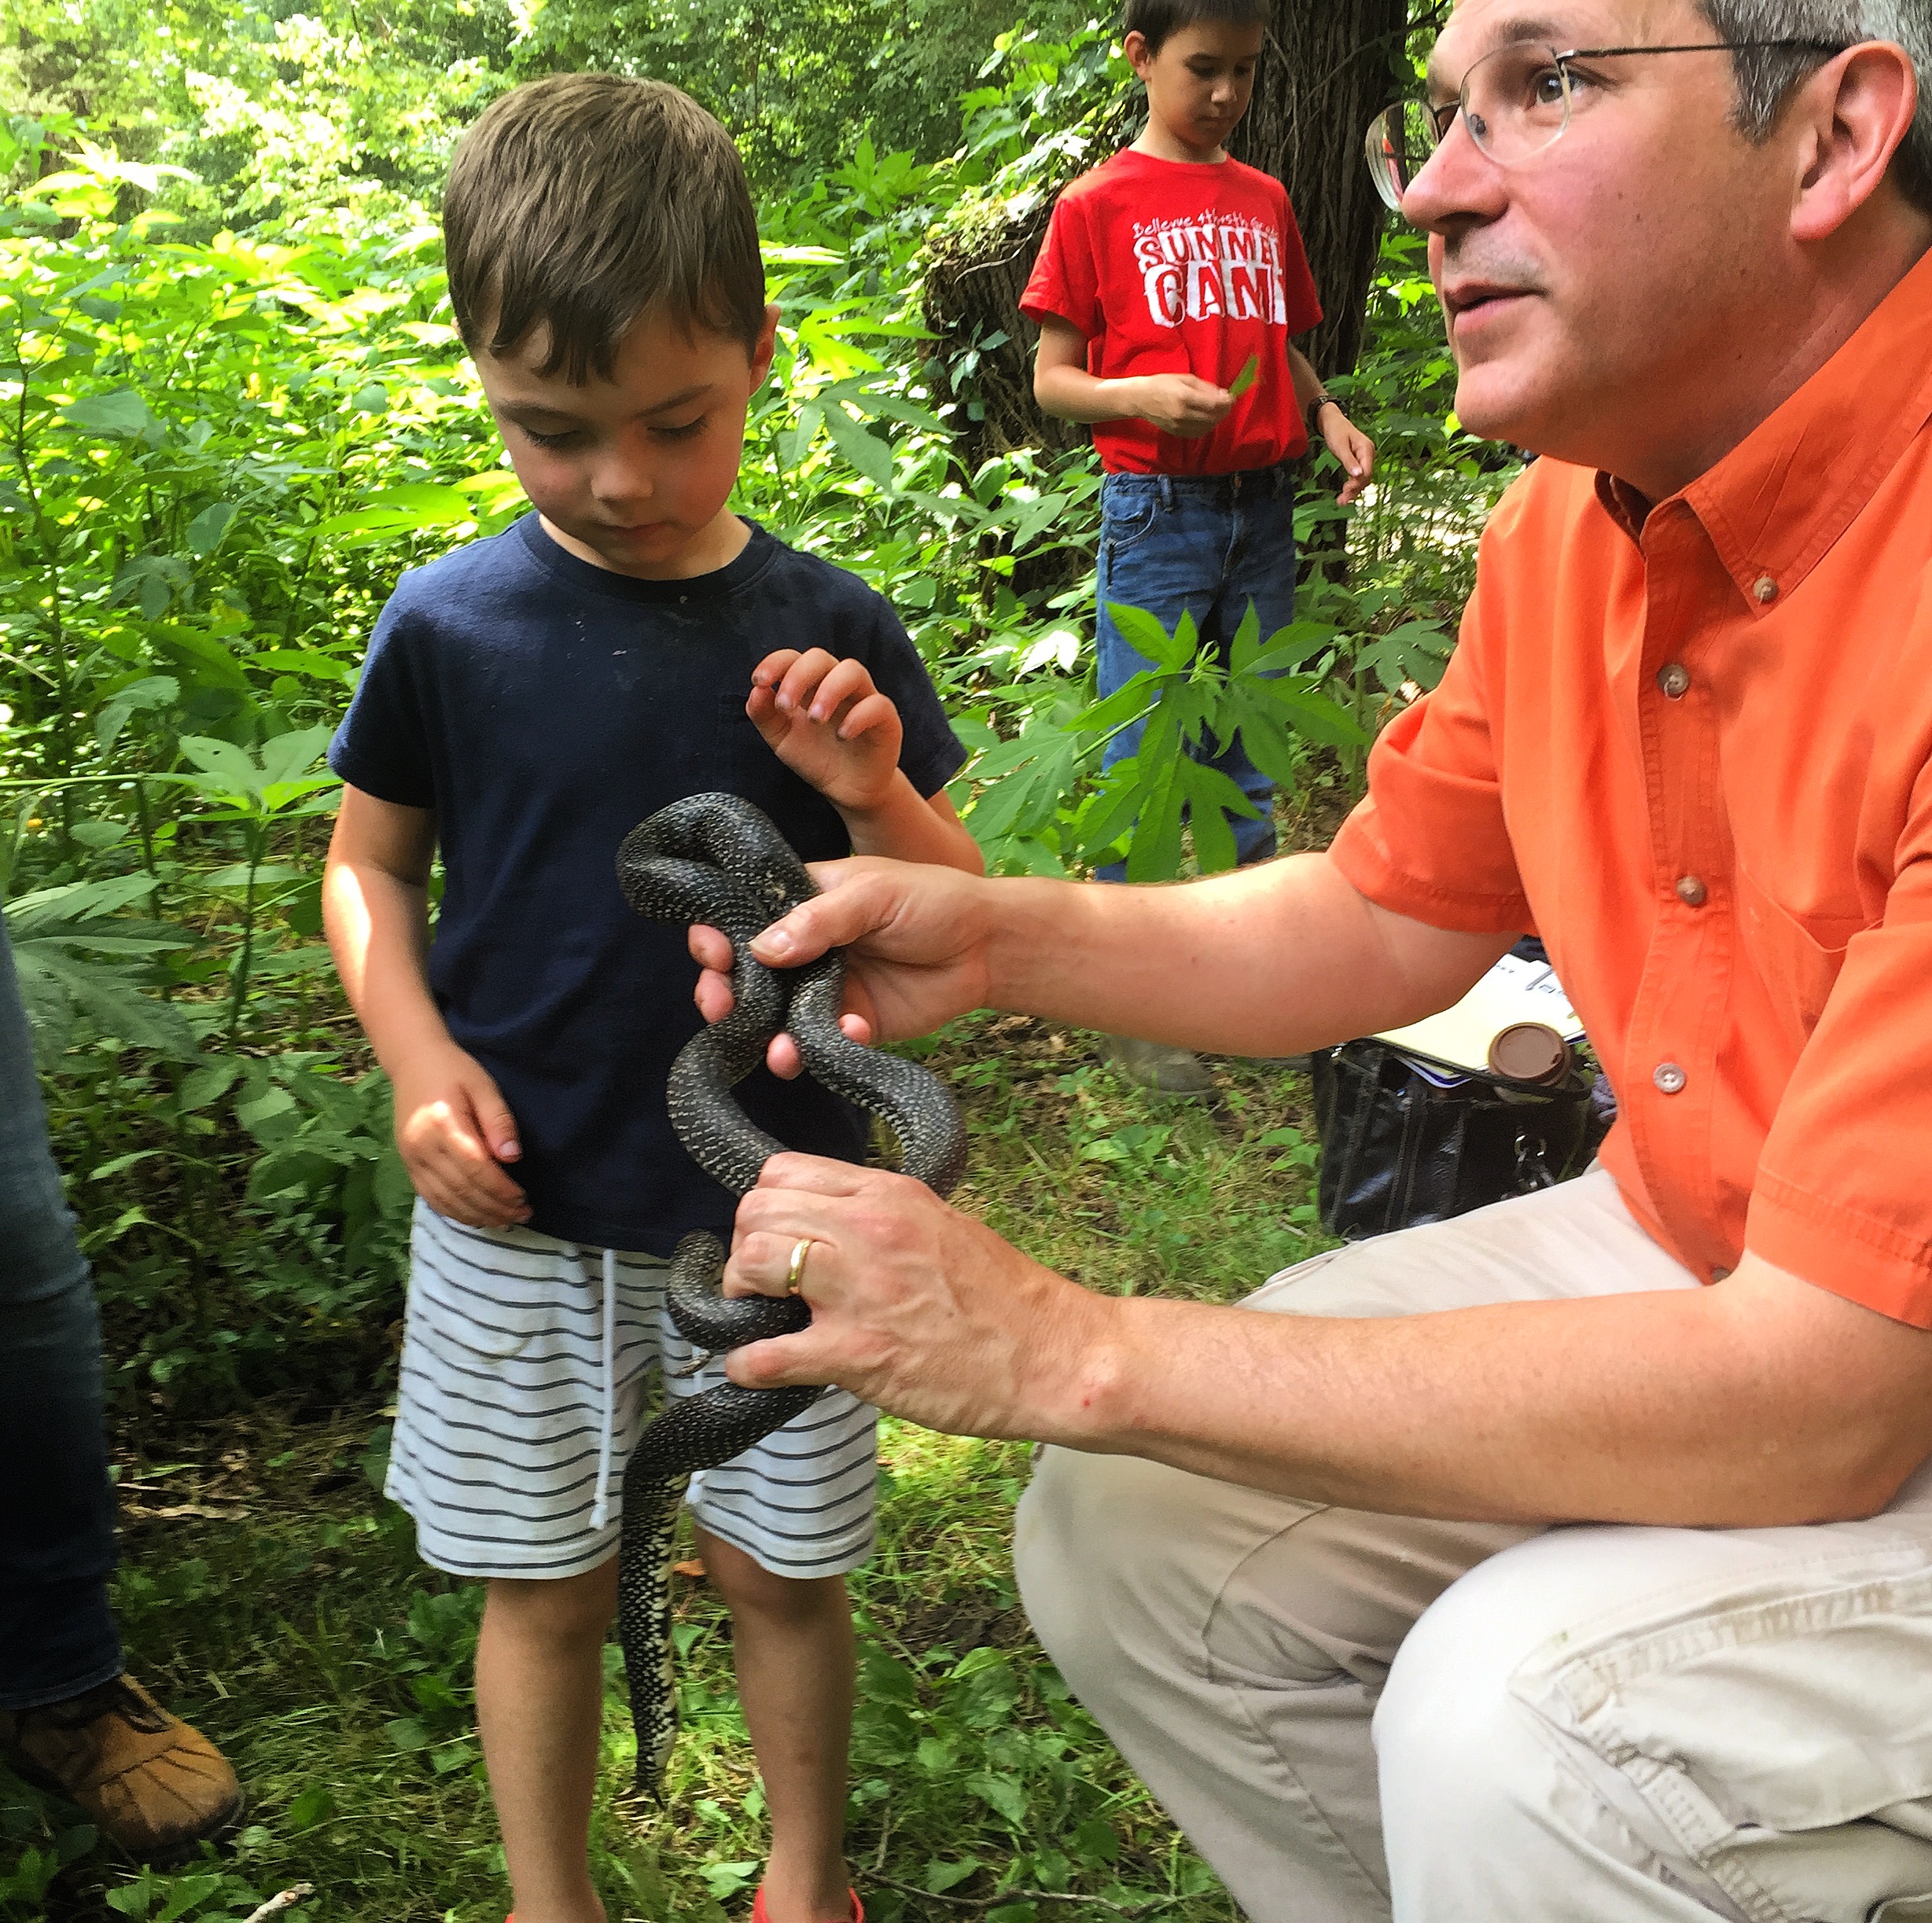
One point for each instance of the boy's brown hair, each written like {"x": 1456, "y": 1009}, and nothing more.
{"x": 578, "y": 203}
{"x": 1156, "y": 21}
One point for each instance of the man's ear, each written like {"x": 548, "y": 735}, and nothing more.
{"x": 1851, "y": 117}
{"x": 1139, "y": 55}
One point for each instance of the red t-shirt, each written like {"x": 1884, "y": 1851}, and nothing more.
{"x": 1170, "y": 268}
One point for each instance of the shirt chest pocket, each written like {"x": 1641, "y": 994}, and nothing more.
{"x": 1796, "y": 957}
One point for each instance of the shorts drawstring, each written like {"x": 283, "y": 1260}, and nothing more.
{"x": 600, "y": 1506}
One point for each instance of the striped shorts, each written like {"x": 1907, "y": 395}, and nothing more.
{"x": 525, "y": 1383}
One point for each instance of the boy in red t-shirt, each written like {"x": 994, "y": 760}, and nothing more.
{"x": 1166, "y": 270}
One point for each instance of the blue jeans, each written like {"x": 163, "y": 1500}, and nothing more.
{"x": 57, "y": 1636}
{"x": 1207, "y": 546}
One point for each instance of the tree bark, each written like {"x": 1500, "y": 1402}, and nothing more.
{"x": 1328, "y": 67}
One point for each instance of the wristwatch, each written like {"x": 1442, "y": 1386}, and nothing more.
{"x": 1314, "y": 416}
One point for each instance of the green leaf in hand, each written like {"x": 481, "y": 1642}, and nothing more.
{"x": 1250, "y": 373}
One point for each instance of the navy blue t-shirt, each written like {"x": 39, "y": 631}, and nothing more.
{"x": 542, "y": 708}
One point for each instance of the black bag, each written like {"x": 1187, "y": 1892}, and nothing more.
{"x": 1398, "y": 1149}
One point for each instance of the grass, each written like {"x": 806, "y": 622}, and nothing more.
{"x": 269, "y": 1594}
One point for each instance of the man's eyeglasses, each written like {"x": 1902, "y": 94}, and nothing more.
{"x": 1515, "y": 101}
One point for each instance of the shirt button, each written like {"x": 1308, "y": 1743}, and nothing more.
{"x": 1765, "y": 589}
{"x": 1692, "y": 893}
{"x": 1675, "y": 680}
{"x": 1670, "y": 1079}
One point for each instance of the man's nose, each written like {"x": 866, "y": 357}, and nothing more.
{"x": 1458, "y": 183}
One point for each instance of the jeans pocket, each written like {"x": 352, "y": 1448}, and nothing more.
{"x": 1128, "y": 519}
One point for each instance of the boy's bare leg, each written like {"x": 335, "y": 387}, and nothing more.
{"x": 539, "y": 1702}
{"x": 792, "y": 1643}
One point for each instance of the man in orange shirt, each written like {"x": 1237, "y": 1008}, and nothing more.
{"x": 1301, "y": 1563}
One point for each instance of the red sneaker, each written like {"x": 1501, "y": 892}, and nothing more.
{"x": 758, "y": 1915}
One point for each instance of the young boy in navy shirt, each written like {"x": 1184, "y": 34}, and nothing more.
{"x": 1166, "y": 272}
{"x": 527, "y": 700}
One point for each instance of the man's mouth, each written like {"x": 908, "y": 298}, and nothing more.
{"x": 1465, "y": 297}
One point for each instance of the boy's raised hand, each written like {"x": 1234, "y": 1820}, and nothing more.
{"x": 456, "y": 1131}
{"x": 828, "y": 723}
{"x": 1182, "y": 404}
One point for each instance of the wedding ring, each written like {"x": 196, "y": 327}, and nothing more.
{"x": 795, "y": 1275}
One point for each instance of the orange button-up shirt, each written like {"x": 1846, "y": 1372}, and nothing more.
{"x": 1692, "y": 749}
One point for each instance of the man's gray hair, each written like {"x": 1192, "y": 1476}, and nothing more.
{"x": 1766, "y": 77}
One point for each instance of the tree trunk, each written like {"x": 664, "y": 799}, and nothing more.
{"x": 1329, "y": 67}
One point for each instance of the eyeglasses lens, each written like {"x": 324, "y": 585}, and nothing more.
{"x": 1514, "y": 102}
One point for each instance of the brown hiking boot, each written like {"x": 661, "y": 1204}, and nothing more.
{"x": 148, "y": 1781}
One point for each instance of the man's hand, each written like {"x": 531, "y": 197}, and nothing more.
{"x": 455, "y": 1131}
{"x": 1181, "y": 404}
{"x": 916, "y": 939}
{"x": 915, "y": 1306}
{"x": 828, "y": 723}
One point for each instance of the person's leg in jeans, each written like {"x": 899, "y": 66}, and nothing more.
{"x": 68, "y": 1718}
{"x": 1172, "y": 547}
{"x": 1258, "y": 571}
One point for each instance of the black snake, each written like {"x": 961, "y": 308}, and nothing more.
{"x": 716, "y": 858}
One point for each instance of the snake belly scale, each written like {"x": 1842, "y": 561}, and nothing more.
{"x": 716, "y": 859}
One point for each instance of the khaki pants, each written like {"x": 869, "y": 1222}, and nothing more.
{"x": 1358, "y": 1717}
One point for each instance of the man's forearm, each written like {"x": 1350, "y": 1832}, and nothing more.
{"x": 1274, "y": 960}
{"x": 1757, "y": 1403}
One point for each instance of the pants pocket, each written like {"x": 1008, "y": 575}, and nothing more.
{"x": 1757, "y": 1717}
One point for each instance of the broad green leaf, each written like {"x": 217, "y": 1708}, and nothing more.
{"x": 941, "y": 1876}
{"x": 121, "y": 415}
{"x": 232, "y": 770}
{"x": 304, "y": 661}
{"x": 238, "y": 874}
{"x": 871, "y": 456}
{"x": 1155, "y": 855}
{"x": 208, "y": 1084}
{"x": 1291, "y": 647}
{"x": 1127, "y": 703}
{"x": 1146, "y": 636}
{"x": 1214, "y": 840}
{"x": 406, "y": 509}
{"x": 206, "y": 530}
{"x": 288, "y": 757}
{"x": 1246, "y": 644}
{"x": 1003, "y": 1793}
{"x": 1250, "y": 373}
{"x": 188, "y": 1893}
{"x": 75, "y": 901}
{"x": 1319, "y": 718}
{"x": 54, "y": 982}
{"x": 1110, "y": 811}
{"x": 795, "y": 445}
{"x": 151, "y": 691}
